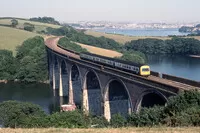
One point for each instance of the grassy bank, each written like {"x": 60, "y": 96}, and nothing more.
{"x": 105, "y": 130}
{"x": 10, "y": 38}
{"x": 100, "y": 51}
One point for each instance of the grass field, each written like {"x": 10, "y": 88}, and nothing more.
{"x": 10, "y": 37}
{"x": 120, "y": 38}
{"x": 100, "y": 51}
{"x": 38, "y": 26}
{"x": 105, "y": 130}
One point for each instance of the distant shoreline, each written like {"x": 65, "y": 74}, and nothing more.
{"x": 195, "y": 56}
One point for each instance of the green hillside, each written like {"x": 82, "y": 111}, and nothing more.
{"x": 38, "y": 26}
{"x": 11, "y": 37}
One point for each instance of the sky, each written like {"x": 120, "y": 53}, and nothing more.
{"x": 104, "y": 10}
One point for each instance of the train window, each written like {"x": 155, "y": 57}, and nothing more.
{"x": 145, "y": 69}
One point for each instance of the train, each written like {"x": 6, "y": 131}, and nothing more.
{"x": 135, "y": 68}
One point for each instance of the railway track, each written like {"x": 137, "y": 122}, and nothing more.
{"x": 172, "y": 83}
{"x": 52, "y": 44}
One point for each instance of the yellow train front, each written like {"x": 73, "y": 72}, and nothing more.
{"x": 145, "y": 70}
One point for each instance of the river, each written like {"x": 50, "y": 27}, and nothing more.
{"x": 181, "y": 66}
{"x": 37, "y": 93}
{"x": 143, "y": 32}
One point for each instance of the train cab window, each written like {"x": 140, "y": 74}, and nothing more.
{"x": 145, "y": 69}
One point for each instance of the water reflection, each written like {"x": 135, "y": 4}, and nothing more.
{"x": 37, "y": 93}
{"x": 182, "y": 66}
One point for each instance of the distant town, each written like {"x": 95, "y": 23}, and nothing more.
{"x": 128, "y": 25}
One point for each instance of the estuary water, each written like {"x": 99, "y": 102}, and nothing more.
{"x": 181, "y": 66}
{"x": 142, "y": 32}
{"x": 37, "y": 93}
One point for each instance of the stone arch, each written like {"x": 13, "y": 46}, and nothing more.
{"x": 75, "y": 79}
{"x": 64, "y": 84}
{"x": 92, "y": 96}
{"x": 149, "y": 99}
{"x": 116, "y": 99}
{"x": 56, "y": 73}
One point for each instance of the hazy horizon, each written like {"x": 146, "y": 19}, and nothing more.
{"x": 138, "y": 11}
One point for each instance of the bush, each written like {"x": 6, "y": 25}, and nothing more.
{"x": 118, "y": 121}
{"x": 14, "y": 114}
{"x": 99, "y": 122}
{"x": 73, "y": 119}
{"x": 183, "y": 109}
{"x": 146, "y": 117}
{"x": 66, "y": 43}
{"x": 29, "y": 27}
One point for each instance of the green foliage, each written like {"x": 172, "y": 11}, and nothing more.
{"x": 13, "y": 113}
{"x": 73, "y": 119}
{"x": 48, "y": 20}
{"x": 29, "y": 27}
{"x": 183, "y": 101}
{"x": 181, "y": 110}
{"x": 174, "y": 46}
{"x": 32, "y": 59}
{"x": 185, "y": 29}
{"x": 133, "y": 56}
{"x": 66, "y": 43}
{"x": 146, "y": 117}
{"x": 118, "y": 121}
{"x": 99, "y": 122}
{"x": 8, "y": 65}
{"x": 79, "y": 36}
{"x": 14, "y": 22}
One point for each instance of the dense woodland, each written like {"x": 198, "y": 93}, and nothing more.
{"x": 48, "y": 20}
{"x": 7, "y": 65}
{"x": 181, "y": 46}
{"x": 30, "y": 63}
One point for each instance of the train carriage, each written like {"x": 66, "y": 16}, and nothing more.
{"x": 140, "y": 69}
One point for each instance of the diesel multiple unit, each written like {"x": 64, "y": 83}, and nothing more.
{"x": 135, "y": 68}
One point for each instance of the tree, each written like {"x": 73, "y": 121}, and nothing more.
{"x": 7, "y": 65}
{"x": 134, "y": 56}
{"x": 14, "y": 22}
{"x": 29, "y": 27}
{"x": 14, "y": 113}
{"x": 48, "y": 20}
{"x": 32, "y": 59}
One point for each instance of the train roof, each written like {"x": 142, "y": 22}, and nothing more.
{"x": 115, "y": 59}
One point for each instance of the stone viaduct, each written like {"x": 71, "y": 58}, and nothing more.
{"x": 102, "y": 90}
